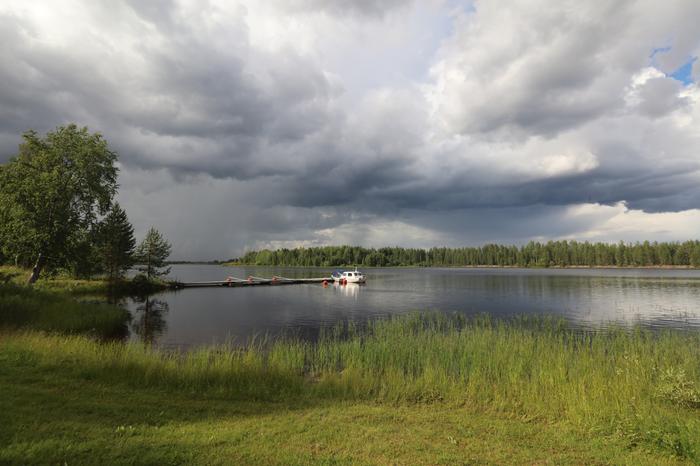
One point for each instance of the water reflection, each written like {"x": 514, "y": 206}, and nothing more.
{"x": 350, "y": 290}
{"x": 585, "y": 298}
{"x": 149, "y": 318}
{"x": 119, "y": 332}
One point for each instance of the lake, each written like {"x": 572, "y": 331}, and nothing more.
{"x": 585, "y": 298}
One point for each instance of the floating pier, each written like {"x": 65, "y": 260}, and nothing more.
{"x": 253, "y": 281}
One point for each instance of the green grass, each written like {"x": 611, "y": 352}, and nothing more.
{"x": 52, "y": 418}
{"x": 24, "y": 307}
{"x": 57, "y": 283}
{"x": 51, "y": 306}
{"x": 416, "y": 389}
{"x": 65, "y": 284}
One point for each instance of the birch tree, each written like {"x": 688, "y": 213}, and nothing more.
{"x": 52, "y": 193}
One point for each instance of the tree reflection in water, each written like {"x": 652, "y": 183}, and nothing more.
{"x": 149, "y": 321}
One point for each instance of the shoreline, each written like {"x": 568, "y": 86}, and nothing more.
{"x": 556, "y": 267}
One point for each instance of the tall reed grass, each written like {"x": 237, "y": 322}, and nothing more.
{"x": 638, "y": 383}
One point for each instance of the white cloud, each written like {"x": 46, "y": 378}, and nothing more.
{"x": 244, "y": 124}
{"x": 617, "y": 222}
{"x": 538, "y": 68}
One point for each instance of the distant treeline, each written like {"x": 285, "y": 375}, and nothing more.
{"x": 533, "y": 254}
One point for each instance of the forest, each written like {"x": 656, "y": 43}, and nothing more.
{"x": 533, "y": 254}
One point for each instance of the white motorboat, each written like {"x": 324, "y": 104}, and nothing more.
{"x": 353, "y": 276}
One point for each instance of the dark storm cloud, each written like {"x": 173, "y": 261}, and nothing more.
{"x": 190, "y": 104}
{"x": 496, "y": 224}
{"x": 530, "y": 109}
{"x": 200, "y": 103}
{"x": 25, "y": 92}
{"x": 649, "y": 193}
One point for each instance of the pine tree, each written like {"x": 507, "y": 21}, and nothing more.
{"x": 152, "y": 253}
{"x": 116, "y": 243}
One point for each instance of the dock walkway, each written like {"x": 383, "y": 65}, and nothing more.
{"x": 252, "y": 281}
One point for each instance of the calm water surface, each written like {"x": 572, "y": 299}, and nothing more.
{"x": 584, "y": 297}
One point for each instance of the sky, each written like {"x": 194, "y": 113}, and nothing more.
{"x": 245, "y": 124}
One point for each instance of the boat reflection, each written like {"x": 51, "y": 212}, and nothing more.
{"x": 351, "y": 290}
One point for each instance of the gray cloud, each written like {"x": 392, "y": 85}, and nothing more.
{"x": 232, "y": 114}
{"x": 186, "y": 103}
{"x": 344, "y": 7}
{"x": 528, "y": 67}
{"x": 660, "y": 96}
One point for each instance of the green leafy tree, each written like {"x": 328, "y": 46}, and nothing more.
{"x": 116, "y": 243}
{"x": 13, "y": 246}
{"x": 85, "y": 262}
{"x": 52, "y": 192}
{"x": 152, "y": 253}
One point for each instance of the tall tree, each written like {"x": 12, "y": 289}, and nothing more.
{"x": 116, "y": 243}
{"x": 85, "y": 261}
{"x": 152, "y": 253}
{"x": 53, "y": 191}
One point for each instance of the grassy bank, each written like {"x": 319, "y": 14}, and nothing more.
{"x": 64, "y": 284}
{"x": 23, "y": 307}
{"x": 417, "y": 389}
{"x": 64, "y": 305}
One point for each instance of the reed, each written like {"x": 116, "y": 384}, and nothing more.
{"x": 637, "y": 383}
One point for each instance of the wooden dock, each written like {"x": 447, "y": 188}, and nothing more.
{"x": 233, "y": 282}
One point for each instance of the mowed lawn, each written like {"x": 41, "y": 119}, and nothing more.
{"x": 50, "y": 419}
